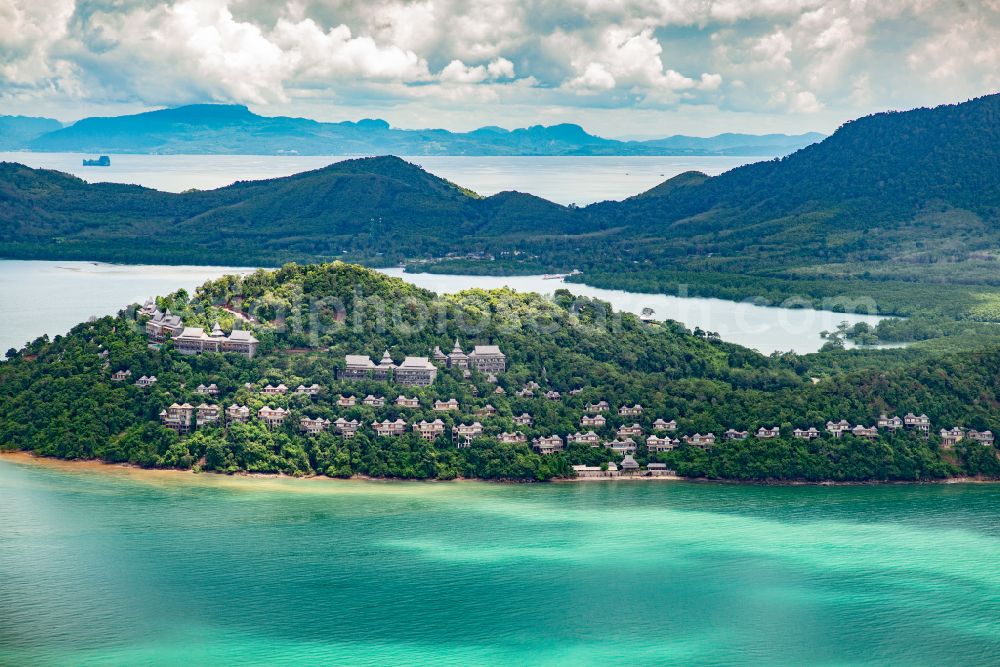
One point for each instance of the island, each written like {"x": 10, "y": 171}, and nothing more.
{"x": 103, "y": 161}
{"x": 338, "y": 370}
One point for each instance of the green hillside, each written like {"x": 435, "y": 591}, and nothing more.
{"x": 58, "y": 398}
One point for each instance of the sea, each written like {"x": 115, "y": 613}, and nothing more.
{"x": 107, "y": 566}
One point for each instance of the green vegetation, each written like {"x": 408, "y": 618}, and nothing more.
{"x": 57, "y": 398}
{"x": 898, "y": 211}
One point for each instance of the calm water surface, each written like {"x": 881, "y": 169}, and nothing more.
{"x": 126, "y": 568}
{"x": 566, "y": 180}
{"x": 38, "y": 297}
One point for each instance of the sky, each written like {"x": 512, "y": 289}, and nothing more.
{"x": 620, "y": 68}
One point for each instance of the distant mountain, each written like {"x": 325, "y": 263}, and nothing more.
{"x": 234, "y": 129}
{"x": 17, "y": 131}
{"x": 912, "y": 195}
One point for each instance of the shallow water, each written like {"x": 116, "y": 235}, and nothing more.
{"x": 118, "y": 567}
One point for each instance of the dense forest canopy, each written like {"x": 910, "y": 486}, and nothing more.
{"x": 57, "y": 397}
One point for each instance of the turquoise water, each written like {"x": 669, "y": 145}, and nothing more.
{"x": 121, "y": 568}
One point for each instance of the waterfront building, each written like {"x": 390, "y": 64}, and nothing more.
{"x": 549, "y": 444}
{"x": 463, "y": 434}
{"x": 629, "y": 465}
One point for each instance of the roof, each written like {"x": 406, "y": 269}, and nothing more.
{"x": 242, "y": 336}
{"x": 416, "y": 363}
{"x": 192, "y": 333}
{"x": 481, "y": 350}
{"x": 359, "y": 360}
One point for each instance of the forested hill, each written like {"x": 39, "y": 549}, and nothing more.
{"x": 366, "y": 208}
{"x": 59, "y": 397}
{"x": 234, "y": 129}
{"x": 910, "y": 196}
{"x": 916, "y": 186}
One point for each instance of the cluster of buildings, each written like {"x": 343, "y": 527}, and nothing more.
{"x": 422, "y": 371}
{"x": 194, "y": 340}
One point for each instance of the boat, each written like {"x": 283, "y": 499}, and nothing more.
{"x": 103, "y": 161}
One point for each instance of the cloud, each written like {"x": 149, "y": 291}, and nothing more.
{"x": 794, "y": 57}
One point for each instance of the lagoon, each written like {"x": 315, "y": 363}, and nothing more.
{"x": 112, "y": 566}
{"x": 49, "y": 297}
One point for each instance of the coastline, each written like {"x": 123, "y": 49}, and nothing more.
{"x": 95, "y": 465}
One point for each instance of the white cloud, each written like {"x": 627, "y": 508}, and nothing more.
{"x": 794, "y": 57}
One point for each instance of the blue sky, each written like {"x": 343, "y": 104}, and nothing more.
{"x": 618, "y": 67}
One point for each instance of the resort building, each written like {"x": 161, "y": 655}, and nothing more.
{"x": 633, "y": 431}
{"x": 706, "y": 441}
{"x": 951, "y": 437}
{"x": 593, "y": 421}
{"x": 808, "y": 434}
{"x": 280, "y": 390}
{"x": 374, "y": 401}
{"x": 765, "y": 433}
{"x": 866, "y": 432}
{"x": 548, "y": 444}
{"x": 121, "y": 376}
{"x": 346, "y": 401}
{"x": 386, "y": 428}
{"x": 178, "y": 417}
{"x": 512, "y": 438}
{"x": 733, "y": 434}
{"x": 486, "y": 411}
{"x": 207, "y": 414}
{"x": 429, "y": 430}
{"x": 238, "y": 413}
{"x": 346, "y": 428}
{"x": 208, "y": 390}
{"x": 982, "y": 437}
{"x": 588, "y": 438}
{"x": 659, "y": 470}
{"x": 146, "y": 381}
{"x": 629, "y": 466}
{"x": 488, "y": 359}
{"x": 416, "y": 372}
{"x": 273, "y": 417}
{"x": 312, "y": 390}
{"x": 921, "y": 424}
{"x": 553, "y": 395}
{"x": 523, "y": 419}
{"x": 463, "y": 434}
{"x": 622, "y": 446}
{"x": 655, "y": 443}
{"x": 451, "y": 405}
{"x": 457, "y": 358}
{"x": 385, "y": 367}
{"x": 608, "y": 470}
{"x": 313, "y": 426}
{"x": 837, "y": 429}
{"x": 162, "y": 325}
{"x": 439, "y": 357}
{"x": 892, "y": 423}
{"x": 600, "y": 406}
{"x": 357, "y": 367}
{"x": 661, "y": 425}
{"x": 194, "y": 340}
{"x": 630, "y": 411}
{"x": 405, "y": 402}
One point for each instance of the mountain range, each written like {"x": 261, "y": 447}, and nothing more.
{"x": 234, "y": 129}
{"x": 902, "y": 198}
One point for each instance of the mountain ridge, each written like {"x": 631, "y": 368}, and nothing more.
{"x": 234, "y": 129}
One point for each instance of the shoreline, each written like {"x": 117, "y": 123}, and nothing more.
{"x": 96, "y": 465}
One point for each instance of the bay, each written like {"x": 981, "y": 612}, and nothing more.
{"x": 111, "y": 566}
{"x": 49, "y": 297}
{"x": 565, "y": 180}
